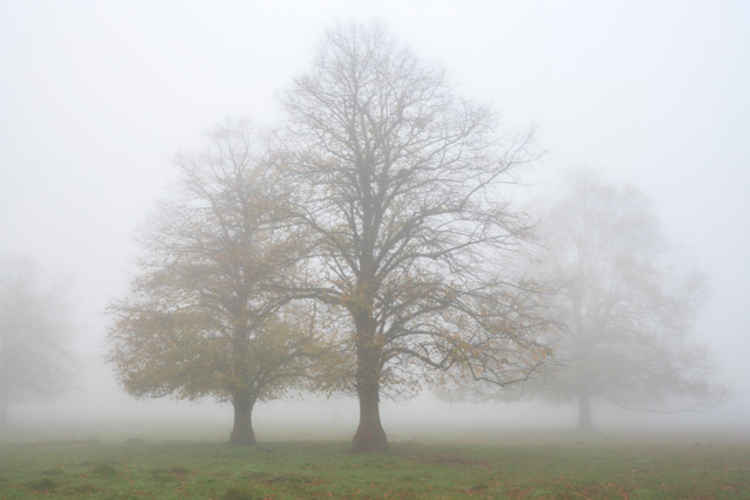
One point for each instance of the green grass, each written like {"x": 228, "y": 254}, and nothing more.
{"x": 543, "y": 467}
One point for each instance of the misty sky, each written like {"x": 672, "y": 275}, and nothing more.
{"x": 97, "y": 97}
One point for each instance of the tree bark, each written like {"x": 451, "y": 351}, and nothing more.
{"x": 585, "y": 422}
{"x": 370, "y": 436}
{"x": 243, "y": 398}
{"x": 242, "y": 429}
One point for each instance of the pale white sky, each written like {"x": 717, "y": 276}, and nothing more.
{"x": 96, "y": 97}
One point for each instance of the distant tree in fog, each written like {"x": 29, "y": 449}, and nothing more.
{"x": 35, "y": 330}
{"x": 203, "y": 317}
{"x": 626, "y": 312}
{"x": 402, "y": 185}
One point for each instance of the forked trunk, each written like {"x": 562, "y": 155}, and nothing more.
{"x": 242, "y": 430}
{"x": 584, "y": 413}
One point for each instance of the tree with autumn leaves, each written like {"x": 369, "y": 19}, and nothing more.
{"x": 401, "y": 184}
{"x": 627, "y": 312}
{"x": 368, "y": 246}
{"x": 380, "y": 211}
{"x": 203, "y": 317}
{"x": 623, "y": 313}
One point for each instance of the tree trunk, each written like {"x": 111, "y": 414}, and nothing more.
{"x": 584, "y": 413}
{"x": 242, "y": 430}
{"x": 243, "y": 398}
{"x": 370, "y": 435}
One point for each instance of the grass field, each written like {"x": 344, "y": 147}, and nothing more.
{"x": 542, "y": 467}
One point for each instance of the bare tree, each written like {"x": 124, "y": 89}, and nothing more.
{"x": 35, "y": 328}
{"x": 202, "y": 317}
{"x": 627, "y": 313}
{"x": 400, "y": 183}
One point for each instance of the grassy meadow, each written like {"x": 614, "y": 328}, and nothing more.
{"x": 539, "y": 465}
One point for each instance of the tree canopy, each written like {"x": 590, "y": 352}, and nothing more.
{"x": 627, "y": 312}
{"x": 203, "y": 317}
{"x": 35, "y": 329}
{"x": 401, "y": 186}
